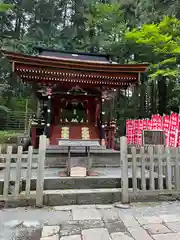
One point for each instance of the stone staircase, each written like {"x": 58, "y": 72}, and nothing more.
{"x": 60, "y": 191}
{"x": 81, "y": 196}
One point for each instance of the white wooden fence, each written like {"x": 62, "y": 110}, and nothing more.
{"x": 11, "y": 181}
{"x": 149, "y": 171}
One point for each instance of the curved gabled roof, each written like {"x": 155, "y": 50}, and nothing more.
{"x": 52, "y": 69}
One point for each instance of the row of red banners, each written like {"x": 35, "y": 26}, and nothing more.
{"x": 170, "y": 124}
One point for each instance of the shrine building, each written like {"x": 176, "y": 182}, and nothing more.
{"x": 71, "y": 90}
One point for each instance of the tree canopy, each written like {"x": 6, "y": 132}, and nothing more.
{"x": 134, "y": 31}
{"x": 4, "y": 7}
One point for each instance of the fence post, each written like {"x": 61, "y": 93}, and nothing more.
{"x": 124, "y": 169}
{"x": 40, "y": 171}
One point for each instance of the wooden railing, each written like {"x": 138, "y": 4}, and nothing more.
{"x": 13, "y": 164}
{"x": 149, "y": 171}
{"x": 146, "y": 171}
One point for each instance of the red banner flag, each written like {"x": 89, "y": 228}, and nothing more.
{"x": 129, "y": 131}
{"x": 166, "y": 125}
{"x": 136, "y": 130}
{"x": 178, "y": 140}
{"x": 149, "y": 124}
{"x": 145, "y": 124}
{"x": 133, "y": 131}
{"x": 173, "y": 129}
{"x": 159, "y": 122}
{"x": 169, "y": 124}
{"x": 139, "y": 132}
{"x": 154, "y": 122}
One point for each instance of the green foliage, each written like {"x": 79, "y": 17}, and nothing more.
{"x": 4, "y": 7}
{"x": 106, "y": 28}
{"x": 133, "y": 30}
{"x": 162, "y": 42}
{"x": 5, "y": 135}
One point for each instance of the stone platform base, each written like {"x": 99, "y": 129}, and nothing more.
{"x": 103, "y": 158}
{"x": 100, "y": 157}
{"x": 81, "y": 196}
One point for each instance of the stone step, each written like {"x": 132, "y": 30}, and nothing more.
{"x": 79, "y": 183}
{"x": 80, "y": 196}
{"x": 64, "y": 149}
{"x": 70, "y": 183}
{"x": 99, "y": 159}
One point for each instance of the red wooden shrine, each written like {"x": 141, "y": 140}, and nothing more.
{"x": 70, "y": 90}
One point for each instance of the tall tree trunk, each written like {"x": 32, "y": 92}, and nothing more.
{"x": 65, "y": 14}
{"x": 142, "y": 97}
{"x": 153, "y": 97}
{"x": 19, "y": 15}
{"x": 162, "y": 95}
{"x": 136, "y": 103}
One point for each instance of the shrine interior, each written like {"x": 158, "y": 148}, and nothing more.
{"x": 75, "y": 112}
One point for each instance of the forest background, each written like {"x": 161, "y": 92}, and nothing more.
{"x": 134, "y": 31}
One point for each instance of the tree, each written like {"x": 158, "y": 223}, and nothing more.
{"x": 106, "y": 28}
{"x": 160, "y": 45}
{"x": 5, "y": 7}
{"x": 96, "y": 26}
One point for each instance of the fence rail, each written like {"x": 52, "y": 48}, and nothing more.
{"x": 11, "y": 187}
{"x": 145, "y": 171}
{"x": 149, "y": 170}
{"x": 15, "y": 120}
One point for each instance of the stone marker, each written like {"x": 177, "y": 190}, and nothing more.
{"x": 78, "y": 167}
{"x": 78, "y": 172}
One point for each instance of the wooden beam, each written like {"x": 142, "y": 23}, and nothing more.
{"x": 79, "y": 73}
{"x": 74, "y": 78}
{"x": 78, "y": 82}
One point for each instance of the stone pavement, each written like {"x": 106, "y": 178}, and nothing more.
{"x": 147, "y": 221}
